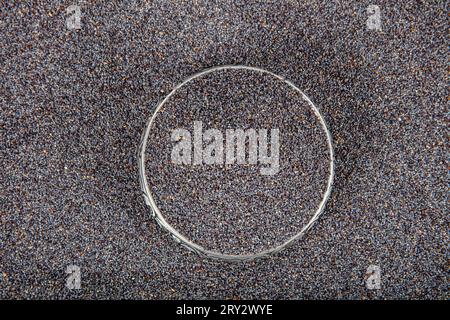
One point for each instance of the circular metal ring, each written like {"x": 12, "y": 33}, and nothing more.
{"x": 193, "y": 246}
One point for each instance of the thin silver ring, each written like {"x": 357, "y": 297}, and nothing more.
{"x": 193, "y": 246}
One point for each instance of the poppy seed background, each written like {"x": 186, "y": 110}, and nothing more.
{"x": 74, "y": 104}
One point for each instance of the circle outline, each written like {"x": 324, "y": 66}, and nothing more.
{"x": 178, "y": 237}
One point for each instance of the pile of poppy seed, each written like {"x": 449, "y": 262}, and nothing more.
{"x": 235, "y": 208}
{"x": 74, "y": 104}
